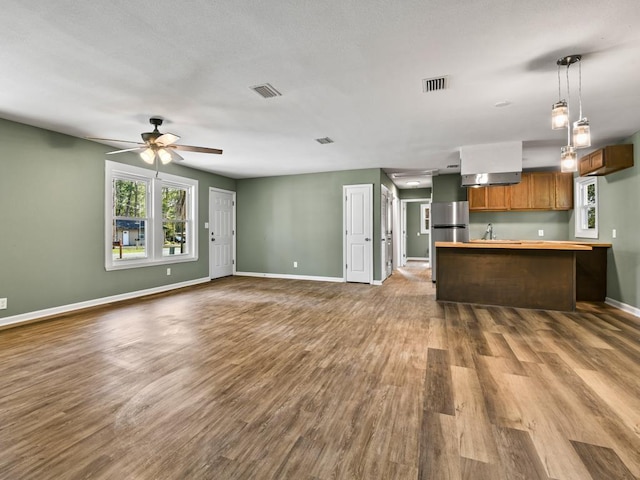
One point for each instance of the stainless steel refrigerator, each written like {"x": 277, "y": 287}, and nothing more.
{"x": 449, "y": 223}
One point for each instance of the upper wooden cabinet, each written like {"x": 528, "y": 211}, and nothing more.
{"x": 536, "y": 191}
{"x": 607, "y": 160}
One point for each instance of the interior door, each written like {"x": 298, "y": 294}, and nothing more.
{"x": 221, "y": 232}
{"x": 358, "y": 233}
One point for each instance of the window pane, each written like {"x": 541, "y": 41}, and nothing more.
{"x": 129, "y": 239}
{"x": 591, "y": 217}
{"x": 175, "y": 238}
{"x": 174, "y": 202}
{"x": 591, "y": 193}
{"x": 129, "y": 198}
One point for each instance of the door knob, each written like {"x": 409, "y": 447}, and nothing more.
{"x": 213, "y": 239}
{"x": 367, "y": 239}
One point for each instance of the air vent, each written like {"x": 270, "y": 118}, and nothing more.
{"x": 324, "y": 141}
{"x": 266, "y": 91}
{"x": 434, "y": 84}
{"x": 453, "y": 165}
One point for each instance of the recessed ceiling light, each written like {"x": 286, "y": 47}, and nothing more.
{"x": 502, "y": 103}
{"x": 413, "y": 182}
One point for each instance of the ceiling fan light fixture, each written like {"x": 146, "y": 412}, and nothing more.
{"x": 148, "y": 155}
{"x": 164, "y": 155}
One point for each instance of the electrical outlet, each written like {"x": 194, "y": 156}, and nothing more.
{"x": 168, "y": 271}
{"x": 418, "y": 233}
{"x": 3, "y": 303}
{"x": 295, "y": 264}
{"x": 541, "y": 233}
{"x": 614, "y": 234}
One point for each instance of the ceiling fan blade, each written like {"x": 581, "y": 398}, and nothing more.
{"x": 167, "y": 139}
{"x": 112, "y": 140}
{"x": 134, "y": 149}
{"x": 189, "y": 148}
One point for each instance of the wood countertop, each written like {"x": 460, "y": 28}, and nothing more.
{"x": 524, "y": 245}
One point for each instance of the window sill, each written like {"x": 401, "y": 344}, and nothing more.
{"x": 149, "y": 263}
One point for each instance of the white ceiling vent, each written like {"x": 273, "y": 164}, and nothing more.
{"x": 266, "y": 91}
{"x": 324, "y": 141}
{"x": 435, "y": 84}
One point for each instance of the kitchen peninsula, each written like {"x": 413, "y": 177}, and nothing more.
{"x": 548, "y": 275}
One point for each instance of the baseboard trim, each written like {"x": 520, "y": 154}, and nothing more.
{"x": 50, "y": 312}
{"x": 623, "y": 306}
{"x": 291, "y": 277}
{"x": 420, "y": 259}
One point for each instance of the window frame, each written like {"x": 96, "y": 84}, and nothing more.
{"x": 423, "y": 208}
{"x": 154, "y": 235}
{"x": 582, "y": 206}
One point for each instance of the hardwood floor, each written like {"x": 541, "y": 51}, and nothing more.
{"x": 249, "y": 378}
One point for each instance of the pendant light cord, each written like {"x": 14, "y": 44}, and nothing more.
{"x": 568, "y": 109}
{"x": 580, "y": 88}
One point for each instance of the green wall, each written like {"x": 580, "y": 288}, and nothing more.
{"x": 52, "y": 217}
{"x": 446, "y": 188}
{"x": 417, "y": 244}
{"x": 619, "y": 208}
{"x": 521, "y": 225}
{"x": 299, "y": 218}
{"x": 411, "y": 193}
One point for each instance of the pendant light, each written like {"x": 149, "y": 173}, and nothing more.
{"x": 560, "y": 109}
{"x": 581, "y": 130}
{"x": 560, "y": 118}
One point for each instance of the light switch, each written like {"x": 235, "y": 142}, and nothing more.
{"x": 206, "y": 224}
{"x": 541, "y": 233}
{"x": 614, "y": 233}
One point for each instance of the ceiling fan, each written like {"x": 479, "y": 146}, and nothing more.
{"x": 156, "y": 145}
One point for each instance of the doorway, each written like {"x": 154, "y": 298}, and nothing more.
{"x": 415, "y": 230}
{"x": 386, "y": 232}
{"x": 221, "y": 233}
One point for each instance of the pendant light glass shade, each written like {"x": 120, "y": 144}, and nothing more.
{"x": 581, "y": 133}
{"x": 559, "y": 115}
{"x": 568, "y": 159}
{"x": 148, "y": 155}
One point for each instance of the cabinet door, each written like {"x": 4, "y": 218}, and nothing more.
{"x": 564, "y": 191}
{"x": 597, "y": 160}
{"x": 584, "y": 165}
{"x": 542, "y": 190}
{"x": 519, "y": 193}
{"x": 498, "y": 198}
{"x": 477, "y": 198}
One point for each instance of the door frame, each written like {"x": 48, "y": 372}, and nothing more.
{"x": 344, "y": 229}
{"x": 386, "y": 194}
{"x": 403, "y": 230}
{"x": 233, "y": 227}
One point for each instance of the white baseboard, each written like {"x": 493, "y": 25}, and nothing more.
{"x": 291, "y": 277}
{"x": 420, "y": 259}
{"x": 623, "y": 306}
{"x": 48, "y": 312}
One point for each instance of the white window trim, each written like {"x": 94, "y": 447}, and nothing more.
{"x": 154, "y": 229}
{"x": 580, "y": 187}
{"x": 423, "y": 207}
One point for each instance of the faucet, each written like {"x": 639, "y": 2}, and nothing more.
{"x": 489, "y": 233}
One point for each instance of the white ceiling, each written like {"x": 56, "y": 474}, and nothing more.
{"x": 349, "y": 70}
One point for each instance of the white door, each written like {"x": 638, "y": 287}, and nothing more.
{"x": 358, "y": 233}
{"x": 125, "y": 237}
{"x": 221, "y": 233}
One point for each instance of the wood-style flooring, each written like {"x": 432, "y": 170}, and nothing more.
{"x": 250, "y": 378}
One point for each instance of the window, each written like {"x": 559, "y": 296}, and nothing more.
{"x": 425, "y": 210}
{"x": 149, "y": 220}
{"x": 586, "y": 193}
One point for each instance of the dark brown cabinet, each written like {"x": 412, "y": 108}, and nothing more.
{"x": 607, "y": 160}
{"x": 536, "y": 191}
